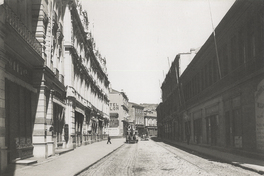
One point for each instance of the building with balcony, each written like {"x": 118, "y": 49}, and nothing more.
{"x": 218, "y": 99}
{"x": 150, "y": 119}
{"x": 50, "y": 107}
{"x": 33, "y": 89}
{"x": 86, "y": 81}
{"x": 136, "y": 116}
{"x": 119, "y": 113}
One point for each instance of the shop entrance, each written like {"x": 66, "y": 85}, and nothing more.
{"x": 197, "y": 131}
{"x": 211, "y": 129}
{"x": 58, "y": 123}
{"x": 18, "y": 121}
{"x": 78, "y": 127}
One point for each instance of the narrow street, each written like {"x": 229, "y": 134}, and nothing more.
{"x": 158, "y": 158}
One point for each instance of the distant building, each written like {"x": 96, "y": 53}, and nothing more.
{"x": 119, "y": 113}
{"x": 136, "y": 116}
{"x": 150, "y": 119}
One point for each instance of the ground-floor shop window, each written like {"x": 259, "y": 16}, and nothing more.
{"x": 19, "y": 121}
{"x": 211, "y": 129}
{"x": 197, "y": 125}
{"x": 233, "y": 126}
{"x": 237, "y": 128}
{"x": 58, "y": 122}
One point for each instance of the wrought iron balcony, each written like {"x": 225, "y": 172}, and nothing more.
{"x": 14, "y": 21}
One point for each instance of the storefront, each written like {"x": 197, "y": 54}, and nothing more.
{"x": 79, "y": 117}
{"x": 19, "y": 121}
{"x": 212, "y": 124}
{"x": 58, "y": 125}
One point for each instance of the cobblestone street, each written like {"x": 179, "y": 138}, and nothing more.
{"x": 157, "y": 158}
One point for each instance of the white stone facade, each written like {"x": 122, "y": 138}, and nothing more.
{"x": 53, "y": 82}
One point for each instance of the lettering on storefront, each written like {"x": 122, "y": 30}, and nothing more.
{"x": 113, "y": 106}
{"x": 259, "y": 111}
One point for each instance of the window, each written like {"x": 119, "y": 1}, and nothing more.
{"x": 233, "y": 52}
{"x": 241, "y": 48}
{"x": 251, "y": 47}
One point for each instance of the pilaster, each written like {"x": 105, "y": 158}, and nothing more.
{"x": 3, "y": 148}
{"x": 3, "y": 60}
{"x": 49, "y": 119}
{"x": 70, "y": 120}
{"x": 40, "y": 130}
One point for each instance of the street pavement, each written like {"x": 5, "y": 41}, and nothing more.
{"x": 70, "y": 163}
{"x": 79, "y": 159}
{"x": 241, "y": 160}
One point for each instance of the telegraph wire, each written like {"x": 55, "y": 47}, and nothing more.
{"x": 216, "y": 50}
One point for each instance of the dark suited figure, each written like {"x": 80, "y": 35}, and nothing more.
{"x": 109, "y": 140}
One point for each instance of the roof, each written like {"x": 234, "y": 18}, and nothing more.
{"x": 113, "y": 91}
{"x": 136, "y": 105}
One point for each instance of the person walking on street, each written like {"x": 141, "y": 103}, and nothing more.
{"x": 109, "y": 139}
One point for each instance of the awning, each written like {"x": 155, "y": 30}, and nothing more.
{"x": 114, "y": 115}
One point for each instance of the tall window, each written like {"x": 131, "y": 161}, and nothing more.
{"x": 233, "y": 52}
{"x": 224, "y": 61}
{"x": 241, "y": 48}
{"x": 251, "y": 47}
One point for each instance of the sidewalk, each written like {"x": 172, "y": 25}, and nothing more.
{"x": 253, "y": 164}
{"x": 69, "y": 163}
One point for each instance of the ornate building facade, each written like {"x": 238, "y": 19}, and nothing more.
{"x": 86, "y": 81}
{"x": 19, "y": 92}
{"x": 54, "y": 83}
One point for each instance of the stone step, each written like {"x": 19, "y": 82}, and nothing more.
{"x": 25, "y": 162}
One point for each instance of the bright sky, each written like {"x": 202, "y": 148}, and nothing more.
{"x": 139, "y": 38}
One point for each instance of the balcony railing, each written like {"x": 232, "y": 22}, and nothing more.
{"x": 61, "y": 78}
{"x": 22, "y": 30}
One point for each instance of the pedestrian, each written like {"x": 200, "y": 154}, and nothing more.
{"x": 109, "y": 140}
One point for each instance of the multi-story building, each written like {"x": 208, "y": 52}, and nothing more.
{"x": 218, "y": 99}
{"x": 54, "y": 85}
{"x": 150, "y": 120}
{"x": 119, "y": 113}
{"x": 136, "y": 116}
{"x": 31, "y": 37}
{"x": 86, "y": 81}
{"x": 171, "y": 94}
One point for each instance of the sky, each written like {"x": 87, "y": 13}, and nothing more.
{"x": 140, "y": 38}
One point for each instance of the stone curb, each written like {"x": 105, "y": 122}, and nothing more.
{"x": 217, "y": 158}
{"x": 98, "y": 161}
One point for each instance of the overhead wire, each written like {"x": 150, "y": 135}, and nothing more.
{"x": 216, "y": 50}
